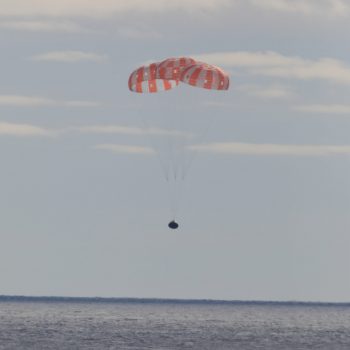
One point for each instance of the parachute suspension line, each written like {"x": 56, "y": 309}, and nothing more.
{"x": 194, "y": 153}
{"x": 170, "y": 145}
{"x": 175, "y": 190}
{"x": 165, "y": 139}
{"x": 152, "y": 144}
{"x": 180, "y": 140}
{"x": 173, "y": 149}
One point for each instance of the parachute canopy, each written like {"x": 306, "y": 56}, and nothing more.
{"x": 172, "y": 68}
{"x": 167, "y": 74}
{"x": 205, "y": 76}
{"x": 147, "y": 79}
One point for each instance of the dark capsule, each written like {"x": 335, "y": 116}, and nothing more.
{"x": 173, "y": 225}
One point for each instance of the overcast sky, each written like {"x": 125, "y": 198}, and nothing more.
{"x": 84, "y": 203}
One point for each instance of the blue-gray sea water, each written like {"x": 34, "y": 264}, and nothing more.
{"x": 58, "y": 323}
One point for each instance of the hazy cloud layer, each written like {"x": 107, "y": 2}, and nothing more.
{"x": 306, "y": 7}
{"x": 237, "y": 148}
{"x": 139, "y": 33}
{"x": 273, "y": 64}
{"x": 37, "y": 101}
{"x": 130, "y": 130}
{"x": 70, "y": 56}
{"x": 111, "y": 129}
{"x": 14, "y": 129}
{"x": 267, "y": 92}
{"x": 125, "y": 149}
{"x": 103, "y": 8}
{"x": 108, "y": 8}
{"x": 323, "y": 108}
{"x": 44, "y": 26}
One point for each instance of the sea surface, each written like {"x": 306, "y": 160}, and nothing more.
{"x": 79, "y": 323}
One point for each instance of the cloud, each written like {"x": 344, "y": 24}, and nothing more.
{"x": 327, "y": 109}
{"x": 254, "y": 149}
{"x": 273, "y": 64}
{"x": 13, "y": 129}
{"x": 129, "y": 130}
{"x": 70, "y": 57}
{"x": 246, "y": 59}
{"x": 104, "y": 8}
{"x": 125, "y": 149}
{"x": 110, "y": 8}
{"x": 111, "y": 129}
{"x": 37, "y": 101}
{"x": 24, "y": 101}
{"x": 306, "y": 7}
{"x": 139, "y": 33}
{"x": 78, "y": 103}
{"x": 267, "y": 92}
{"x": 44, "y": 26}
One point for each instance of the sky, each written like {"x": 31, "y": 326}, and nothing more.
{"x": 264, "y": 211}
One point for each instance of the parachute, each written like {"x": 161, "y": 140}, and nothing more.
{"x": 205, "y": 76}
{"x": 174, "y": 151}
{"x": 147, "y": 79}
{"x": 167, "y": 74}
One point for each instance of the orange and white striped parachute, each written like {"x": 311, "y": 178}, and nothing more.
{"x": 165, "y": 75}
{"x": 147, "y": 79}
{"x": 172, "y": 68}
{"x": 205, "y": 76}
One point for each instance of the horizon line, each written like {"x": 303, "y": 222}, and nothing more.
{"x": 154, "y": 300}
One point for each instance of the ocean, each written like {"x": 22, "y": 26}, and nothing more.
{"x": 93, "y": 323}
